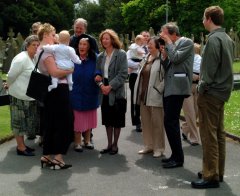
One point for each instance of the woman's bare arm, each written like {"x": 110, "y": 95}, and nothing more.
{"x": 53, "y": 70}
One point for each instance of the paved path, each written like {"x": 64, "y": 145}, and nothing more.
{"x": 125, "y": 174}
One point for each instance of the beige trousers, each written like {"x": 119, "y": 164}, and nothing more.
{"x": 153, "y": 127}
{"x": 189, "y": 127}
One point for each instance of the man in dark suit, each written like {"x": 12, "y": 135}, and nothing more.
{"x": 80, "y": 27}
{"x": 178, "y": 80}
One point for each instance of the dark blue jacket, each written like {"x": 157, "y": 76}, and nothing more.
{"x": 84, "y": 95}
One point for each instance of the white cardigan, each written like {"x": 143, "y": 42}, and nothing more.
{"x": 19, "y": 75}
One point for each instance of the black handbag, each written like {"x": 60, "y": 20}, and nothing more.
{"x": 38, "y": 84}
{"x": 4, "y": 96}
{"x": 121, "y": 105}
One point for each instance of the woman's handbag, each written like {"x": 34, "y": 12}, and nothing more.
{"x": 38, "y": 84}
{"x": 121, "y": 103}
{"x": 4, "y": 96}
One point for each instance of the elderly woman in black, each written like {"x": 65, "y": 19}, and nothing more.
{"x": 111, "y": 75}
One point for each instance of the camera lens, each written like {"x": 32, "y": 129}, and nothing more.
{"x": 161, "y": 41}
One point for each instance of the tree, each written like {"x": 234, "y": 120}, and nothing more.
{"x": 113, "y": 16}
{"x": 92, "y": 12}
{"x": 105, "y": 14}
{"x": 232, "y": 14}
{"x": 142, "y": 14}
{"x": 22, "y": 13}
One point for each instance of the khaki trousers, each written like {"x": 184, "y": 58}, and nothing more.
{"x": 153, "y": 127}
{"x": 189, "y": 127}
{"x": 211, "y": 115}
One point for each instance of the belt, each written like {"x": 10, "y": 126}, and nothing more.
{"x": 196, "y": 73}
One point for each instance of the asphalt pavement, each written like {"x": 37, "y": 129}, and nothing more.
{"x": 124, "y": 174}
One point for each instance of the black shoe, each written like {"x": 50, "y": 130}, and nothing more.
{"x": 139, "y": 128}
{"x": 25, "y": 153}
{"x": 194, "y": 143}
{"x": 166, "y": 160}
{"x": 105, "y": 150}
{"x": 113, "y": 152}
{"x": 204, "y": 184}
{"x": 60, "y": 165}
{"x": 184, "y": 136}
{"x": 172, "y": 164}
{"x": 199, "y": 174}
{"x": 45, "y": 161}
{"x": 30, "y": 149}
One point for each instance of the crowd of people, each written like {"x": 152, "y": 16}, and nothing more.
{"x": 166, "y": 74}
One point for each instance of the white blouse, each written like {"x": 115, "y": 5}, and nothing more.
{"x": 107, "y": 62}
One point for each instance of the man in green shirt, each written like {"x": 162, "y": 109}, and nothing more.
{"x": 215, "y": 86}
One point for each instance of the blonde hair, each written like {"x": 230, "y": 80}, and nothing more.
{"x": 197, "y": 48}
{"x": 139, "y": 38}
{"x": 64, "y": 37}
{"x": 45, "y": 28}
{"x": 114, "y": 38}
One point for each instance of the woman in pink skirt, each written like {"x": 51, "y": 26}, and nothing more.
{"x": 84, "y": 96}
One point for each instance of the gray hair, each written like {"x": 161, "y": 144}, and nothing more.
{"x": 172, "y": 28}
{"x": 82, "y": 21}
{"x": 29, "y": 40}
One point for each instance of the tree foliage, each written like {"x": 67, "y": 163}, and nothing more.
{"x": 142, "y": 14}
{"x": 124, "y": 16}
{"x": 105, "y": 14}
{"x": 20, "y": 14}
{"x": 93, "y": 13}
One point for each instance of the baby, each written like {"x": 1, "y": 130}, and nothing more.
{"x": 65, "y": 57}
{"x": 136, "y": 52}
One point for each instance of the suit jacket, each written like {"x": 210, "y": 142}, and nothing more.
{"x": 117, "y": 73}
{"x": 179, "y": 68}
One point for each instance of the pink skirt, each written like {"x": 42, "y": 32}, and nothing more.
{"x": 84, "y": 120}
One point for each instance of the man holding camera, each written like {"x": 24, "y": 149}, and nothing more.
{"x": 178, "y": 80}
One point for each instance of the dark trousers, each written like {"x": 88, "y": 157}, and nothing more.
{"x": 135, "y": 109}
{"x": 172, "y": 107}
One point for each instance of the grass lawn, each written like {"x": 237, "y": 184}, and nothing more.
{"x": 232, "y": 114}
{"x": 4, "y": 121}
{"x": 236, "y": 67}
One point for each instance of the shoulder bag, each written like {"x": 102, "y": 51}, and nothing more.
{"x": 38, "y": 84}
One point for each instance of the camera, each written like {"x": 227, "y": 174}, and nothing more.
{"x": 161, "y": 41}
